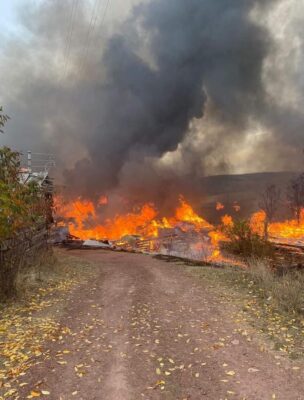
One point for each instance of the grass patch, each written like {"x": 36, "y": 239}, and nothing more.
{"x": 273, "y": 305}
{"x": 285, "y": 292}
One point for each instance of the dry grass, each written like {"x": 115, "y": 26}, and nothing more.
{"x": 286, "y": 292}
{"x": 50, "y": 270}
{"x": 262, "y": 276}
{"x": 31, "y": 276}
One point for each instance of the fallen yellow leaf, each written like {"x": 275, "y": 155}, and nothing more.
{"x": 35, "y": 394}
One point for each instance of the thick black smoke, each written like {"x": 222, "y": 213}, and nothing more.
{"x": 180, "y": 76}
{"x": 199, "y": 50}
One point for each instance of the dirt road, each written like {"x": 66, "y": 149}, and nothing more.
{"x": 144, "y": 329}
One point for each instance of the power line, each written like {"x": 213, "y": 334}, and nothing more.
{"x": 105, "y": 11}
{"x": 92, "y": 26}
{"x": 70, "y": 36}
{"x": 92, "y": 22}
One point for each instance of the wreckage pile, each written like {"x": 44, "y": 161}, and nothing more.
{"x": 184, "y": 235}
{"x": 175, "y": 242}
{"x": 188, "y": 245}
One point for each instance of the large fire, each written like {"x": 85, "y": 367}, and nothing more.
{"x": 289, "y": 229}
{"x": 145, "y": 223}
{"x": 82, "y": 221}
{"x": 81, "y": 215}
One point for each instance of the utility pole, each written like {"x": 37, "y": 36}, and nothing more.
{"x": 29, "y": 161}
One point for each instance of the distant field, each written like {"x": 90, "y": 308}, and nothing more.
{"x": 243, "y": 189}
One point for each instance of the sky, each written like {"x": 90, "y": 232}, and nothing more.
{"x": 9, "y": 9}
{"x": 169, "y": 88}
{"x": 9, "y": 16}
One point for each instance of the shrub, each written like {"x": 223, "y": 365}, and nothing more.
{"x": 243, "y": 241}
{"x": 21, "y": 206}
{"x": 23, "y": 221}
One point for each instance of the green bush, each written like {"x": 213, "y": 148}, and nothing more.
{"x": 21, "y": 205}
{"x": 243, "y": 241}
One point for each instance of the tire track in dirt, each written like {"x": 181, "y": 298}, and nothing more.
{"x": 144, "y": 329}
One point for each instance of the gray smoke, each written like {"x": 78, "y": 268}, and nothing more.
{"x": 182, "y": 77}
{"x": 199, "y": 49}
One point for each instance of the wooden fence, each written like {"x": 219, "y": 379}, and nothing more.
{"x": 19, "y": 253}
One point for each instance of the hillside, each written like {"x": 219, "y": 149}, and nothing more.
{"x": 244, "y": 189}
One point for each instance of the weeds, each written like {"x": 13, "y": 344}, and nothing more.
{"x": 43, "y": 267}
{"x": 286, "y": 292}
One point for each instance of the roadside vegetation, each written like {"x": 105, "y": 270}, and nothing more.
{"x": 270, "y": 290}
{"x": 243, "y": 241}
{"x": 285, "y": 292}
{"x": 21, "y": 205}
{"x": 24, "y": 213}
{"x": 34, "y": 282}
{"x": 270, "y": 304}
{"x": 24, "y": 210}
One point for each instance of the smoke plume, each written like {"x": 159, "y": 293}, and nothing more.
{"x": 146, "y": 106}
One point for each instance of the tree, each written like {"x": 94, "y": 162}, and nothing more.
{"x": 295, "y": 196}
{"x": 269, "y": 203}
{"x": 9, "y": 165}
{"x": 3, "y": 119}
{"x": 21, "y": 205}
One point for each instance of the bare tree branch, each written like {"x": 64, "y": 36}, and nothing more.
{"x": 269, "y": 203}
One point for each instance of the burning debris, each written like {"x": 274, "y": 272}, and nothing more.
{"x": 183, "y": 234}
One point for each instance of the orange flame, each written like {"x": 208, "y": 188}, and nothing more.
{"x": 185, "y": 213}
{"x": 289, "y": 229}
{"x": 103, "y": 200}
{"x": 227, "y": 220}
{"x": 219, "y": 206}
{"x": 83, "y": 217}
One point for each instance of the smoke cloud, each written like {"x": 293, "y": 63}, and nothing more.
{"x": 147, "y": 105}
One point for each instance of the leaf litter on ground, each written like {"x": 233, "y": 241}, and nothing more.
{"x": 26, "y": 325}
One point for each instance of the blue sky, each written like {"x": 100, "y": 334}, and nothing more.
{"x": 8, "y": 15}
